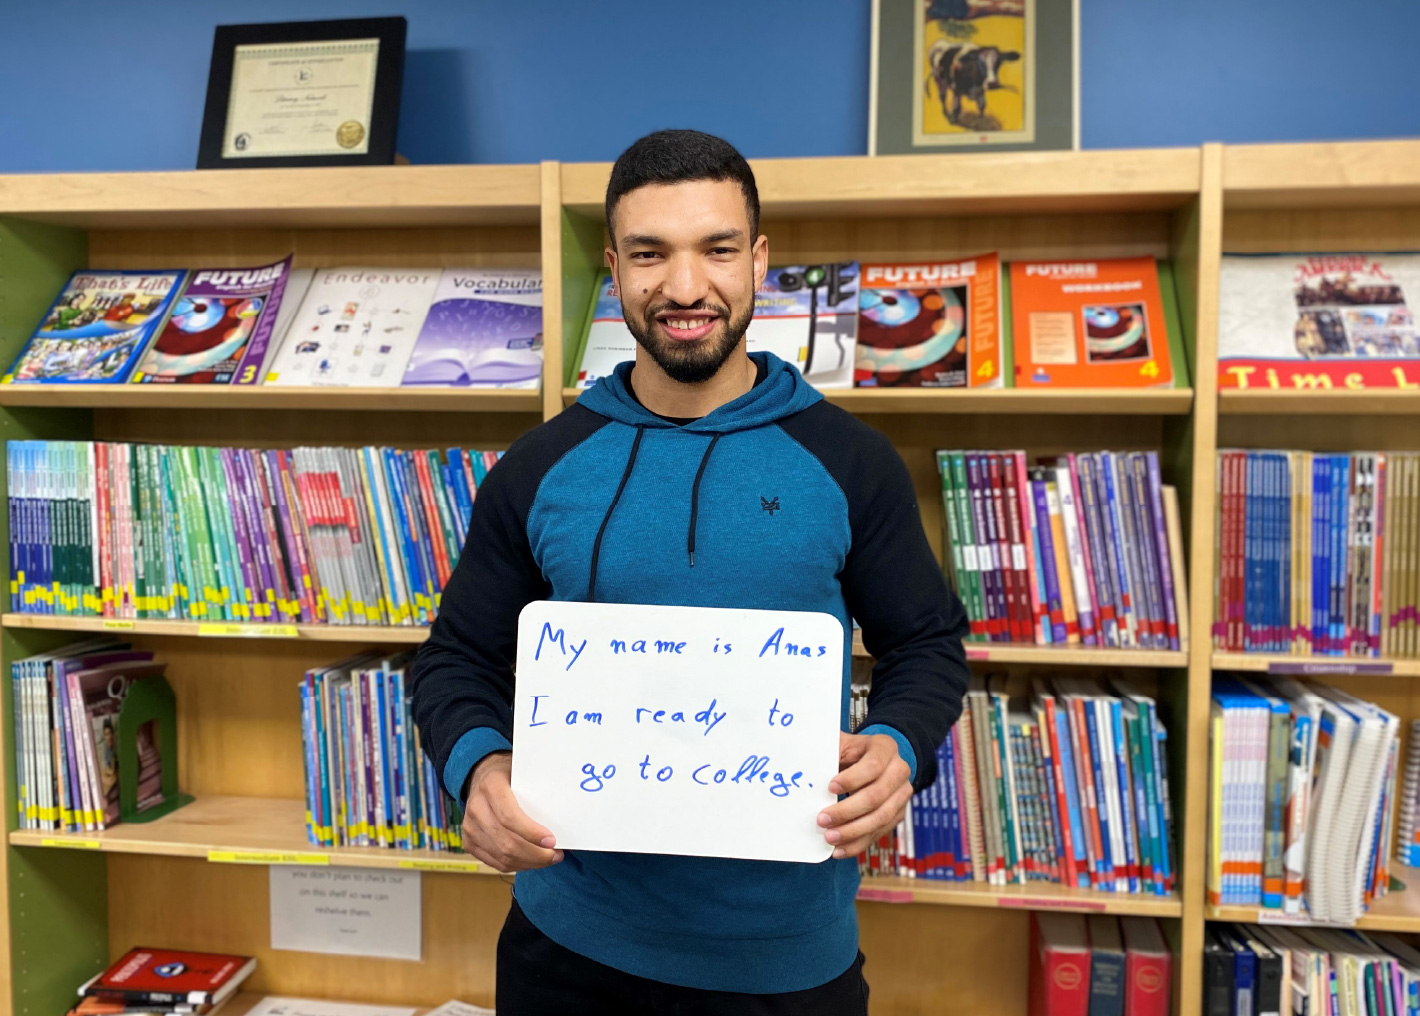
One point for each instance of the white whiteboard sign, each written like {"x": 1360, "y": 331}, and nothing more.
{"x": 347, "y": 911}
{"x": 678, "y": 730}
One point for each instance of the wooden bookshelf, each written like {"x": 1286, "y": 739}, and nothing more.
{"x": 1112, "y": 401}
{"x": 1398, "y": 911}
{"x": 243, "y": 830}
{"x": 259, "y": 397}
{"x": 73, "y": 906}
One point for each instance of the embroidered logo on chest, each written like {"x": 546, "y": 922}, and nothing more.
{"x": 770, "y": 506}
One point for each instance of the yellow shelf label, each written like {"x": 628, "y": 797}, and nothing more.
{"x": 70, "y": 844}
{"x": 267, "y": 857}
{"x": 439, "y": 865}
{"x": 250, "y": 631}
{"x": 112, "y": 625}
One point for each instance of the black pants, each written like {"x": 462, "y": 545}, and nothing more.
{"x": 538, "y": 977}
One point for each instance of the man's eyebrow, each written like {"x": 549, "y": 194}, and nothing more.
{"x": 724, "y": 235}
{"x": 643, "y": 240}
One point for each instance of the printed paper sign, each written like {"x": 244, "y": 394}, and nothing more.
{"x": 349, "y": 911}
{"x": 678, "y": 730}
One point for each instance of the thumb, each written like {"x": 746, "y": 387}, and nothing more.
{"x": 851, "y": 747}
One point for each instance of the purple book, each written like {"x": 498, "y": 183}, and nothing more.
{"x": 250, "y": 576}
{"x": 1161, "y": 541}
{"x": 251, "y": 499}
{"x": 1118, "y": 465}
{"x": 219, "y": 328}
{"x": 1056, "y": 605}
{"x": 1138, "y": 478}
{"x": 484, "y": 329}
{"x": 1107, "y": 605}
{"x": 1135, "y": 632}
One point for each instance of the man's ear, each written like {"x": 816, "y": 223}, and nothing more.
{"x": 760, "y": 253}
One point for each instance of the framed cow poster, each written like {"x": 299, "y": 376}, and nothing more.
{"x": 958, "y": 75}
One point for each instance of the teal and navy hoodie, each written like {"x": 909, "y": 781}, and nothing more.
{"x": 776, "y": 500}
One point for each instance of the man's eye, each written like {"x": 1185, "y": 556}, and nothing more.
{"x": 722, "y": 250}
{"x": 643, "y": 255}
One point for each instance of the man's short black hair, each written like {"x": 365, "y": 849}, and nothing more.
{"x": 676, "y": 157}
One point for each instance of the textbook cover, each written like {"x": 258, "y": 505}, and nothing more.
{"x": 805, "y": 315}
{"x": 96, "y": 329}
{"x": 356, "y": 328}
{"x": 483, "y": 330}
{"x": 1291, "y": 321}
{"x": 219, "y": 328}
{"x": 1090, "y": 324}
{"x": 146, "y": 976}
{"x": 931, "y": 325}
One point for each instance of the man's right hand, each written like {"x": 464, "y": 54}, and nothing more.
{"x": 495, "y": 829}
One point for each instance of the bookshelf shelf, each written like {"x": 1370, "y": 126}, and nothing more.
{"x": 259, "y": 397}
{"x": 1020, "y": 401}
{"x": 1353, "y": 174}
{"x": 241, "y": 199}
{"x": 1399, "y": 911}
{"x": 1022, "y": 897}
{"x": 242, "y": 830}
{"x": 411, "y": 635}
{"x": 1374, "y": 402}
{"x": 1137, "y": 180}
{"x": 1315, "y": 666}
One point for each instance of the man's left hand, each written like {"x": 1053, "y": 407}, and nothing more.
{"x": 877, "y": 782}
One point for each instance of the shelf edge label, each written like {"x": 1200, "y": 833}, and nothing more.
{"x": 1318, "y": 668}
{"x": 71, "y": 844}
{"x": 112, "y": 625}
{"x": 251, "y": 631}
{"x": 267, "y": 857}
{"x": 459, "y": 866}
{"x": 1297, "y": 920}
{"x": 1049, "y": 903}
{"x": 885, "y": 895}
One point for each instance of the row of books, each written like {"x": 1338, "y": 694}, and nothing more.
{"x": 1081, "y": 549}
{"x": 346, "y": 327}
{"x": 973, "y": 323}
{"x": 1315, "y": 553}
{"x": 1303, "y": 784}
{"x": 1308, "y": 972}
{"x": 368, "y": 780}
{"x": 173, "y": 982}
{"x": 66, "y": 709}
{"x": 359, "y": 536}
{"x": 1070, "y": 787}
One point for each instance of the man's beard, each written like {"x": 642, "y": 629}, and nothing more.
{"x": 690, "y": 363}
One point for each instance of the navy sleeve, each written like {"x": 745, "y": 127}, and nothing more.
{"x": 462, "y": 679}
{"x": 912, "y": 622}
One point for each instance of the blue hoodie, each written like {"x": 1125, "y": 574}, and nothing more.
{"x": 776, "y": 500}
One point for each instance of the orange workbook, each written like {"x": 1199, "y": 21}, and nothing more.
{"x": 1089, "y": 324}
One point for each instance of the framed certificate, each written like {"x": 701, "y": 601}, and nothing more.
{"x": 303, "y": 93}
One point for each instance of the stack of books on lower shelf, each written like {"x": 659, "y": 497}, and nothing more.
{"x": 1099, "y": 966}
{"x": 1302, "y": 799}
{"x": 369, "y": 782}
{"x": 1253, "y": 969}
{"x": 66, "y": 706}
{"x": 172, "y": 982}
{"x": 1069, "y": 788}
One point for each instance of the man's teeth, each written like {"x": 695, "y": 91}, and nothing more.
{"x": 684, "y": 325}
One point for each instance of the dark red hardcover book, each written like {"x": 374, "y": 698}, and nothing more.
{"x": 1148, "y": 978}
{"x": 1016, "y": 621}
{"x": 1060, "y": 965}
{"x": 167, "y": 976}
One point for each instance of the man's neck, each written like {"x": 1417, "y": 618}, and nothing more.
{"x": 665, "y": 396}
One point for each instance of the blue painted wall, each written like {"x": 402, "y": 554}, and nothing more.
{"x": 90, "y": 86}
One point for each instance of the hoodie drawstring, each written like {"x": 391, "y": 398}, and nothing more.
{"x": 695, "y": 498}
{"x": 597, "y": 546}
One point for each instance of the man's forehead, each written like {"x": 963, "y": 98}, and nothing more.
{"x": 689, "y": 207}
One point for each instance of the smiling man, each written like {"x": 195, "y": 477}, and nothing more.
{"x": 695, "y": 475}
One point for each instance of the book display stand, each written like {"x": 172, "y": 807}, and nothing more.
{"x": 197, "y": 876}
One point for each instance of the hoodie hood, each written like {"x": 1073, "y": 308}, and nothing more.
{"x": 782, "y": 393}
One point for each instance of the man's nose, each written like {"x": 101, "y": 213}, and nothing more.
{"x": 686, "y": 282}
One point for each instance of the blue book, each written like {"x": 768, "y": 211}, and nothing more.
{"x": 1126, "y": 794}
{"x": 1106, "y": 859}
{"x": 1106, "y": 966}
{"x": 1244, "y": 972}
{"x": 1320, "y": 582}
{"x": 1072, "y": 798}
{"x": 414, "y": 576}
{"x": 1340, "y": 563}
